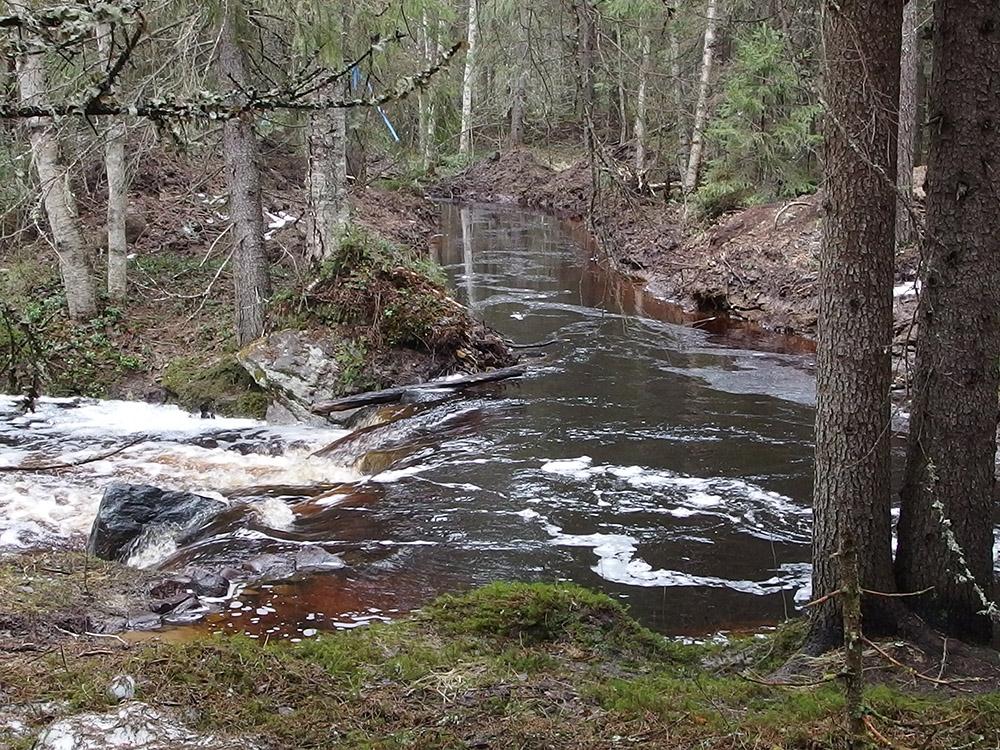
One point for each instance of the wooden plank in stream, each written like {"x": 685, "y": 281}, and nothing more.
{"x": 390, "y": 395}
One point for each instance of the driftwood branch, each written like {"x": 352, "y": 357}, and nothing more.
{"x": 74, "y": 464}
{"x": 391, "y": 395}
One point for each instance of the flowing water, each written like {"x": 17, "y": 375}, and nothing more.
{"x": 664, "y": 460}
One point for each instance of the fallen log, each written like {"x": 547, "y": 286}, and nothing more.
{"x": 391, "y": 395}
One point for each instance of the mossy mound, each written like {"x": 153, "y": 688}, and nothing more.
{"x": 389, "y": 310}
{"x": 546, "y": 613}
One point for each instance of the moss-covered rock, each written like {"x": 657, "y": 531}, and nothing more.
{"x": 220, "y": 386}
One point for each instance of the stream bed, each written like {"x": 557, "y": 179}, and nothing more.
{"x": 664, "y": 460}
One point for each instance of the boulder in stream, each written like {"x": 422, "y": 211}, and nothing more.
{"x": 297, "y": 369}
{"x": 130, "y": 512}
{"x": 131, "y": 726}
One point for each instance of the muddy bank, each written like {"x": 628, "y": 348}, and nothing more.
{"x": 758, "y": 264}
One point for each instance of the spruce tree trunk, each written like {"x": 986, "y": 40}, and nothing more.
{"x": 326, "y": 188}
{"x": 114, "y": 167}
{"x": 640, "y": 110}
{"x": 851, "y": 497}
{"x": 468, "y": 81}
{"x": 701, "y": 108}
{"x": 907, "y": 121}
{"x": 622, "y": 97}
{"x": 251, "y": 280}
{"x": 60, "y": 205}
{"x": 951, "y": 453}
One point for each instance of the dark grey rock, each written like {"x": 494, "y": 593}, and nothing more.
{"x": 130, "y": 510}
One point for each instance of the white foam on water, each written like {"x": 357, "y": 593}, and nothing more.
{"x": 36, "y": 508}
{"x": 617, "y": 563}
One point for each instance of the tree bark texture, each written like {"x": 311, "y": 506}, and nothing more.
{"x": 852, "y": 472}
{"x": 115, "y": 169}
{"x": 329, "y": 206}
{"x": 640, "y": 109}
{"x": 701, "y": 108}
{"x": 519, "y": 86}
{"x": 909, "y": 60}
{"x": 250, "y": 272}
{"x": 950, "y": 466}
{"x": 586, "y": 48}
{"x": 469, "y": 80}
{"x": 680, "y": 124}
{"x": 60, "y": 204}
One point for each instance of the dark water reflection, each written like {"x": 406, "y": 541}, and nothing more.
{"x": 662, "y": 460}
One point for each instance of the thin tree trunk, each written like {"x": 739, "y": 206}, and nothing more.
{"x": 640, "y": 109}
{"x": 951, "y": 452}
{"x": 520, "y": 84}
{"x": 851, "y": 499}
{"x": 60, "y": 205}
{"x": 468, "y": 81}
{"x": 251, "y": 281}
{"x": 622, "y": 104}
{"x": 585, "y": 16}
{"x": 114, "y": 166}
{"x": 424, "y": 95}
{"x": 701, "y": 109}
{"x": 680, "y": 126}
{"x": 907, "y": 122}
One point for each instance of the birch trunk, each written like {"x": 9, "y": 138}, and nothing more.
{"x": 909, "y": 60}
{"x": 423, "y": 94}
{"x": 468, "y": 79}
{"x": 701, "y": 109}
{"x": 114, "y": 166}
{"x": 675, "y": 78}
{"x": 640, "y": 110}
{"x": 329, "y": 207}
{"x": 251, "y": 281}
{"x": 60, "y": 205}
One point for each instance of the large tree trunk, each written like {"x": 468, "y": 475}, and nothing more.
{"x": 468, "y": 81}
{"x": 430, "y": 138}
{"x": 114, "y": 166}
{"x": 948, "y": 487}
{"x": 640, "y": 109}
{"x": 701, "y": 108}
{"x": 60, "y": 205}
{"x": 852, "y": 490}
{"x": 250, "y": 273}
{"x": 329, "y": 209}
{"x": 907, "y": 122}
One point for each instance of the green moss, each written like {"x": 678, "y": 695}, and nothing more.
{"x": 509, "y": 665}
{"x": 221, "y": 386}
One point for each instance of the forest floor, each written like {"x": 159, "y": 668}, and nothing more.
{"x": 758, "y": 264}
{"x": 507, "y": 666}
{"x": 172, "y": 339}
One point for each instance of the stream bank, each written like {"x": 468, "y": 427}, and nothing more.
{"x": 173, "y": 342}
{"x": 758, "y": 264}
{"x": 510, "y": 665}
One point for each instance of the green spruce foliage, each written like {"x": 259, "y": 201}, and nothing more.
{"x": 764, "y": 134}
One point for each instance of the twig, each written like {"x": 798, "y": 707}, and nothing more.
{"x": 893, "y": 660}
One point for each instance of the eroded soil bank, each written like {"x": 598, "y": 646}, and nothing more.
{"x": 758, "y": 264}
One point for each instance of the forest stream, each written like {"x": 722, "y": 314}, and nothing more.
{"x": 659, "y": 458}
